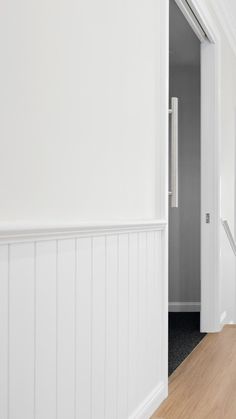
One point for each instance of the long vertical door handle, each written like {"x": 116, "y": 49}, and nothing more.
{"x": 174, "y": 170}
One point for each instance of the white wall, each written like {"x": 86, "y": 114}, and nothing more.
{"x": 79, "y": 110}
{"x": 82, "y": 324}
{"x": 82, "y": 109}
{"x": 184, "y": 221}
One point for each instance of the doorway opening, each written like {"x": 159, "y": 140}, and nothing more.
{"x": 184, "y": 187}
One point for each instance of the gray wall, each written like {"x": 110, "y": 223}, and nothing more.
{"x": 184, "y": 230}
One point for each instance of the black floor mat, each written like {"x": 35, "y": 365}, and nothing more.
{"x": 184, "y": 335}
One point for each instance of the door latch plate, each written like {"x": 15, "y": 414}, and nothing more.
{"x": 208, "y": 218}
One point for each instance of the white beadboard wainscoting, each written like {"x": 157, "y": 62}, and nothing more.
{"x": 81, "y": 322}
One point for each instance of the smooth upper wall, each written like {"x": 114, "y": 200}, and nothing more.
{"x": 79, "y": 110}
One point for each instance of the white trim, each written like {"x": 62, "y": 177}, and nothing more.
{"x": 201, "y": 11}
{"x": 225, "y": 23}
{"x": 178, "y": 307}
{"x": 36, "y": 232}
{"x": 210, "y": 185}
{"x": 186, "y": 10}
{"x": 151, "y": 403}
{"x": 164, "y": 169}
{"x": 223, "y": 317}
{"x": 210, "y": 169}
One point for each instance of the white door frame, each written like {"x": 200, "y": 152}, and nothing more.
{"x": 210, "y": 186}
{"x": 210, "y": 166}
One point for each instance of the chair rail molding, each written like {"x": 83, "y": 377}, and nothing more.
{"x": 21, "y": 232}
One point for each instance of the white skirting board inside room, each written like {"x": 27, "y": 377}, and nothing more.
{"x": 184, "y": 306}
{"x": 81, "y": 322}
{"x": 150, "y": 404}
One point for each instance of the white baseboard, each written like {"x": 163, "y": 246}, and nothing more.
{"x": 226, "y": 320}
{"x": 223, "y": 317}
{"x": 184, "y": 307}
{"x": 151, "y": 403}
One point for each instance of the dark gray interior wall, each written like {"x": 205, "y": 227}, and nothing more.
{"x": 184, "y": 222}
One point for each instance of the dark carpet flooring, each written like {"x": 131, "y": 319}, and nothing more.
{"x": 184, "y": 335}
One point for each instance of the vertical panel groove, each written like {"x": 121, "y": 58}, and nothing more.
{"x": 4, "y": 353}
{"x": 75, "y": 327}
{"x": 56, "y": 329}
{"x": 137, "y": 382}
{"x": 35, "y": 302}
{"x": 146, "y": 325}
{"x": 117, "y": 342}
{"x": 65, "y": 329}
{"x": 128, "y": 323}
{"x": 46, "y": 324}
{"x": 91, "y": 334}
{"x": 21, "y": 331}
{"x": 8, "y": 334}
{"x": 105, "y": 320}
{"x": 111, "y": 328}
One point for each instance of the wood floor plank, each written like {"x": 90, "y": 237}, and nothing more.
{"x": 204, "y": 385}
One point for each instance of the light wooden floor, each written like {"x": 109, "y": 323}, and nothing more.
{"x": 204, "y": 385}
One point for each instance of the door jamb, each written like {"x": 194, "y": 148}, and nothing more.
{"x": 210, "y": 133}
{"x": 210, "y": 168}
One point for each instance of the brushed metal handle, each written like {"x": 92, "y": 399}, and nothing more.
{"x": 174, "y": 171}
